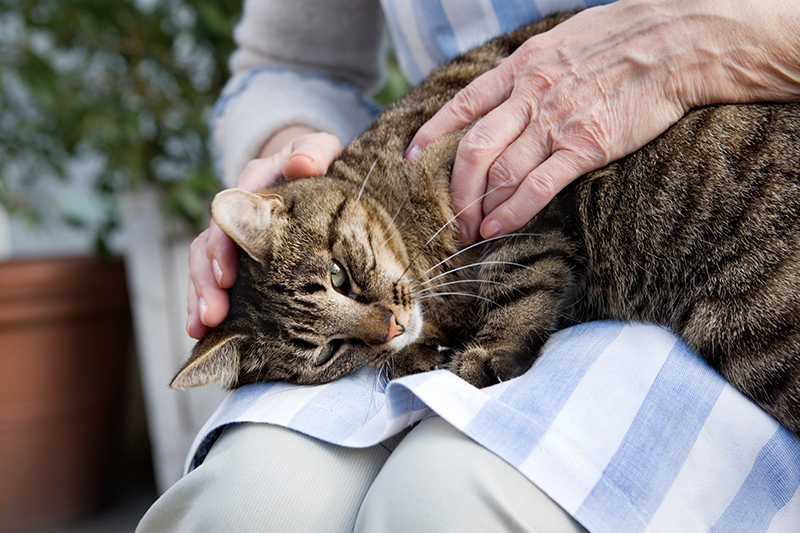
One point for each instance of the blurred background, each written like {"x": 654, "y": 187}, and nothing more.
{"x": 105, "y": 176}
{"x": 106, "y": 173}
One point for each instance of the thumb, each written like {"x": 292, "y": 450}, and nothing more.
{"x": 311, "y": 155}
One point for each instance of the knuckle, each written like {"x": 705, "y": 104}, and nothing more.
{"x": 329, "y": 139}
{"x": 476, "y": 145}
{"x": 540, "y": 186}
{"x": 251, "y": 167}
{"x": 254, "y": 172}
{"x": 502, "y": 174}
{"x": 465, "y": 105}
{"x": 198, "y": 244}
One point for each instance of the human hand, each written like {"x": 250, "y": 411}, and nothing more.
{"x": 213, "y": 260}
{"x": 593, "y": 89}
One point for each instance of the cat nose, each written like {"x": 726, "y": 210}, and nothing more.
{"x": 395, "y": 329}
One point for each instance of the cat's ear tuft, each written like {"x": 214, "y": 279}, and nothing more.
{"x": 246, "y": 217}
{"x": 214, "y": 358}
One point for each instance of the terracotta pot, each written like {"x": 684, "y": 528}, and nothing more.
{"x": 64, "y": 342}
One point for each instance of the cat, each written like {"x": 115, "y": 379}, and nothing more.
{"x": 698, "y": 231}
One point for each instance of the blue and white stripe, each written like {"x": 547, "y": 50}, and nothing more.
{"x": 428, "y": 33}
{"x": 621, "y": 424}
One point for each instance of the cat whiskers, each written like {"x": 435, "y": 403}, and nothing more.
{"x": 457, "y": 293}
{"x": 485, "y": 281}
{"x": 403, "y": 203}
{"x": 385, "y": 372}
{"x": 453, "y": 219}
{"x": 363, "y": 185}
{"x": 470, "y": 247}
{"x": 479, "y": 263}
{"x": 422, "y": 296}
{"x": 397, "y": 229}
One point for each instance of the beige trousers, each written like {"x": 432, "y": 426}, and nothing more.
{"x": 262, "y": 478}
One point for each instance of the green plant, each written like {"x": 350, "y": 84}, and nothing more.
{"x": 128, "y": 84}
{"x": 396, "y": 85}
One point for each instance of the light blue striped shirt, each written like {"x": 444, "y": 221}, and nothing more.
{"x": 427, "y": 33}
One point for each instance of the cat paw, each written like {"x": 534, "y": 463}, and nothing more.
{"x": 482, "y": 368}
{"x": 419, "y": 358}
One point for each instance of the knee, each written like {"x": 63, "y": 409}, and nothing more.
{"x": 438, "y": 479}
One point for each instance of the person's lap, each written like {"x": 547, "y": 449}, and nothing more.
{"x": 259, "y": 477}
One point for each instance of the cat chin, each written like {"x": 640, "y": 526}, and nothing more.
{"x": 411, "y": 334}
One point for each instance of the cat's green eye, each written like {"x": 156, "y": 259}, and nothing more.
{"x": 327, "y": 352}
{"x": 338, "y": 275}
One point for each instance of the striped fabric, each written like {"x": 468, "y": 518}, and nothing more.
{"x": 427, "y": 33}
{"x": 621, "y": 424}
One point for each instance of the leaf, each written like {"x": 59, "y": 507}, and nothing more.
{"x": 117, "y": 64}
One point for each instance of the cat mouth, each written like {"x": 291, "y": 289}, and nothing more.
{"x": 411, "y": 333}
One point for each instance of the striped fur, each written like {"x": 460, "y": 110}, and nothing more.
{"x": 698, "y": 231}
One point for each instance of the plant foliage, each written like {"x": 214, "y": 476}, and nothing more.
{"x": 127, "y": 84}
{"x": 130, "y": 83}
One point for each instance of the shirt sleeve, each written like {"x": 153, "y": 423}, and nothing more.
{"x": 311, "y": 62}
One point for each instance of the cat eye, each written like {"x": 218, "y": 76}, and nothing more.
{"x": 338, "y": 275}
{"x": 327, "y": 352}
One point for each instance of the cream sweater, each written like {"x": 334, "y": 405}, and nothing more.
{"x": 311, "y": 62}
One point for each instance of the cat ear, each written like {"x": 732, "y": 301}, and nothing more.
{"x": 246, "y": 218}
{"x": 214, "y": 358}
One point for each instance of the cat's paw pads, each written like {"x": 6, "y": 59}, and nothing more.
{"x": 476, "y": 366}
{"x": 484, "y": 367}
{"x": 420, "y": 358}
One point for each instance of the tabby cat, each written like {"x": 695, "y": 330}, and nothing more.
{"x": 698, "y": 231}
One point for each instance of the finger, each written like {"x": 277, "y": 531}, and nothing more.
{"x": 212, "y": 303}
{"x": 479, "y": 148}
{"x": 194, "y": 326}
{"x": 259, "y": 174}
{"x": 483, "y": 94}
{"x": 311, "y": 155}
{"x": 535, "y": 191}
{"x": 223, "y": 255}
{"x": 516, "y": 162}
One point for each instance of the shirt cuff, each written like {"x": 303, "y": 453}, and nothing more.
{"x": 257, "y": 103}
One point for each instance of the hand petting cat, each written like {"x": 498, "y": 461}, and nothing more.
{"x": 294, "y": 152}
{"x": 600, "y": 86}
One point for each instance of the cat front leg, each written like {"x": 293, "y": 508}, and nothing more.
{"x": 528, "y": 285}
{"x": 429, "y": 352}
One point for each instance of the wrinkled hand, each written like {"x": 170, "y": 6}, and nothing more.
{"x": 213, "y": 259}
{"x": 595, "y": 88}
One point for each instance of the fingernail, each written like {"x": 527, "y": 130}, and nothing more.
{"x": 301, "y": 154}
{"x": 490, "y": 229}
{"x": 203, "y": 306}
{"x": 217, "y": 272}
{"x": 412, "y": 153}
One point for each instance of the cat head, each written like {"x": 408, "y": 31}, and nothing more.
{"x": 321, "y": 290}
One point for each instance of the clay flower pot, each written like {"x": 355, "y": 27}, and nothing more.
{"x": 64, "y": 342}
